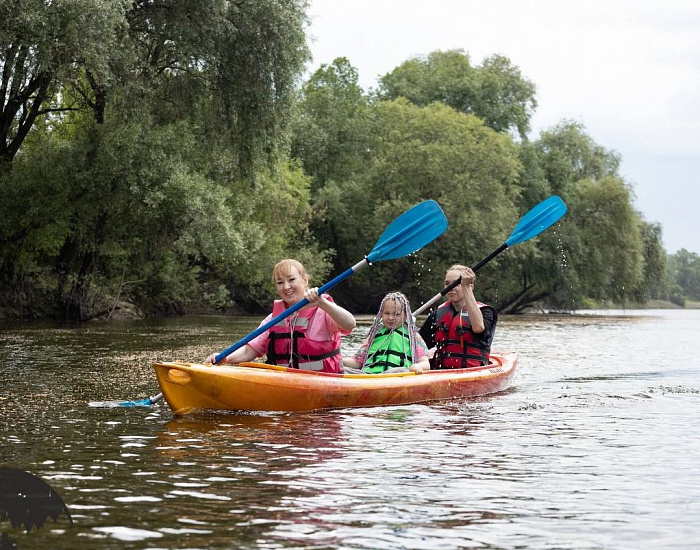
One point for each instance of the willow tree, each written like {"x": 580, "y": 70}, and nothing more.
{"x": 600, "y": 249}
{"x": 164, "y": 163}
{"x": 43, "y": 46}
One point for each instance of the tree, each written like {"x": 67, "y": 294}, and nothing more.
{"x": 496, "y": 91}
{"x": 654, "y": 283}
{"x": 331, "y": 126}
{"x": 601, "y": 250}
{"x": 416, "y": 154}
{"x": 43, "y": 46}
{"x": 602, "y": 241}
{"x": 684, "y": 270}
{"x": 166, "y": 155}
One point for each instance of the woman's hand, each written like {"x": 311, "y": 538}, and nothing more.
{"x": 212, "y": 358}
{"x": 313, "y": 297}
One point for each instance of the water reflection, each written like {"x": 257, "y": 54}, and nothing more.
{"x": 596, "y": 445}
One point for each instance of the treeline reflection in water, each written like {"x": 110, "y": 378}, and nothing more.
{"x": 596, "y": 445}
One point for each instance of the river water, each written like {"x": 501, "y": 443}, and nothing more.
{"x": 595, "y": 446}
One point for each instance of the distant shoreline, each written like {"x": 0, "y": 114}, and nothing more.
{"x": 128, "y": 312}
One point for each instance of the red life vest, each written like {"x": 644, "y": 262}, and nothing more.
{"x": 457, "y": 347}
{"x": 307, "y": 354}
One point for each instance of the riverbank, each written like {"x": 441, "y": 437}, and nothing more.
{"x": 126, "y": 311}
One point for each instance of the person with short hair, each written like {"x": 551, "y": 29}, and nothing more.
{"x": 461, "y": 329}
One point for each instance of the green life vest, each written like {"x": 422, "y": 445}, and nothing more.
{"x": 391, "y": 348}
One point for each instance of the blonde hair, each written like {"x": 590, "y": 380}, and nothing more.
{"x": 457, "y": 267}
{"x": 284, "y": 267}
{"x": 402, "y": 303}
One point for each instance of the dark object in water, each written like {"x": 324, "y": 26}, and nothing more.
{"x": 27, "y": 500}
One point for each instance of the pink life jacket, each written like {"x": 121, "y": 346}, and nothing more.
{"x": 290, "y": 334}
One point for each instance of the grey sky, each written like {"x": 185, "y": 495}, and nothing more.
{"x": 629, "y": 70}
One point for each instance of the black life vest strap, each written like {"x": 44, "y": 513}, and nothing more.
{"x": 272, "y": 357}
{"x": 385, "y": 362}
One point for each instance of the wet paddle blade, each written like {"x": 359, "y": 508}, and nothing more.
{"x": 539, "y": 218}
{"x": 410, "y": 232}
{"x": 147, "y": 402}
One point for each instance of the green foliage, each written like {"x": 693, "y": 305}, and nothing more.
{"x": 156, "y": 151}
{"x": 609, "y": 261}
{"x": 330, "y": 130}
{"x": 43, "y": 46}
{"x": 495, "y": 92}
{"x": 654, "y": 281}
{"x": 601, "y": 250}
{"x": 684, "y": 275}
{"x": 416, "y": 154}
{"x": 572, "y": 155}
{"x": 145, "y": 155}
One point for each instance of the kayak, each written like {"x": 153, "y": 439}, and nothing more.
{"x": 188, "y": 387}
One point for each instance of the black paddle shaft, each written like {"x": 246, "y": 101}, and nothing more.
{"x": 478, "y": 266}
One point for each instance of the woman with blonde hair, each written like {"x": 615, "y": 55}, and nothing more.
{"x": 462, "y": 328}
{"x": 310, "y": 338}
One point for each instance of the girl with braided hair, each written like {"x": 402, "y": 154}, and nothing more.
{"x": 393, "y": 343}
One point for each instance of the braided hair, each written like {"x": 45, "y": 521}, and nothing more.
{"x": 402, "y": 304}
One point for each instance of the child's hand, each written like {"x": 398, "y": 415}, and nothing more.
{"x": 416, "y": 368}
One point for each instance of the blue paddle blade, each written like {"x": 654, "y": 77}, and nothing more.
{"x": 138, "y": 403}
{"x": 537, "y": 220}
{"x": 410, "y": 232}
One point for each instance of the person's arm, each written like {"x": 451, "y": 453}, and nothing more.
{"x": 357, "y": 361}
{"x": 253, "y": 349}
{"x": 241, "y": 355}
{"x": 421, "y": 366}
{"x": 476, "y": 319}
{"x": 345, "y": 320}
{"x": 423, "y": 362}
{"x": 489, "y": 324}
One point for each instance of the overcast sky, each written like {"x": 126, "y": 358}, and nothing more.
{"x": 629, "y": 70}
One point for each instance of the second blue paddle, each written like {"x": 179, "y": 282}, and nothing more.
{"x": 537, "y": 219}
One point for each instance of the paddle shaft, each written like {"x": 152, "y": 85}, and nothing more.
{"x": 458, "y": 280}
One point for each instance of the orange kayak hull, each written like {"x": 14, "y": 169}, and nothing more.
{"x": 188, "y": 387}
